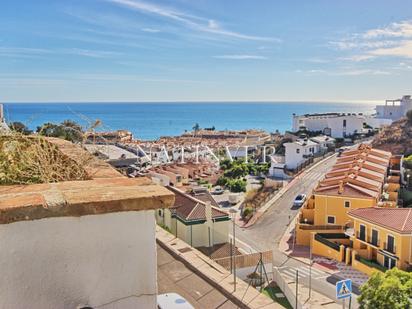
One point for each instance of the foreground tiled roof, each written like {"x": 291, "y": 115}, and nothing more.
{"x": 188, "y": 208}
{"x": 396, "y": 219}
{"x": 80, "y": 198}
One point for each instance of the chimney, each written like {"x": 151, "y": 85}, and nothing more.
{"x": 340, "y": 190}
{"x": 208, "y": 212}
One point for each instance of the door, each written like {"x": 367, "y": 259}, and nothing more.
{"x": 388, "y": 262}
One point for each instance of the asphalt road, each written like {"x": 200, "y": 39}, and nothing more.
{"x": 266, "y": 233}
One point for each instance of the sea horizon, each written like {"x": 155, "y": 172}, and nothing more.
{"x": 151, "y": 120}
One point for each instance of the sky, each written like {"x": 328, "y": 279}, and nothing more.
{"x": 204, "y": 50}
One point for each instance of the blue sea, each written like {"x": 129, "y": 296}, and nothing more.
{"x": 152, "y": 120}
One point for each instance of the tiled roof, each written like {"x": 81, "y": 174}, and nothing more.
{"x": 358, "y": 172}
{"x": 396, "y": 219}
{"x": 189, "y": 208}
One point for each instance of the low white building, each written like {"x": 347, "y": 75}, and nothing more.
{"x": 196, "y": 219}
{"x": 299, "y": 151}
{"x": 277, "y": 167}
{"x": 325, "y": 142}
{"x": 337, "y": 125}
{"x": 394, "y": 109}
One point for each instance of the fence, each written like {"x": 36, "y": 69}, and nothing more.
{"x": 327, "y": 242}
{"x": 246, "y": 260}
{"x": 287, "y": 288}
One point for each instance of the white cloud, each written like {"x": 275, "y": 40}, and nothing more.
{"x": 404, "y": 49}
{"x": 401, "y": 30}
{"x": 394, "y": 40}
{"x": 241, "y": 57}
{"x": 190, "y": 21}
{"x": 151, "y": 30}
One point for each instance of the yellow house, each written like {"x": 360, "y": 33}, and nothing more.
{"x": 355, "y": 181}
{"x": 382, "y": 238}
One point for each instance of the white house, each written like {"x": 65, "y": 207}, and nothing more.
{"x": 394, "y": 109}
{"x": 325, "y": 142}
{"x": 196, "y": 219}
{"x": 299, "y": 151}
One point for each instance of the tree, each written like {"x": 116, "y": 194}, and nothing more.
{"x": 391, "y": 289}
{"x": 237, "y": 185}
{"x": 19, "y": 127}
{"x": 196, "y": 127}
{"x": 68, "y": 130}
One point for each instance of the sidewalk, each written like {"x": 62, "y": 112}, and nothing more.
{"x": 215, "y": 275}
{"x": 302, "y": 254}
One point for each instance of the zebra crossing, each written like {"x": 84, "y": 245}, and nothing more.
{"x": 303, "y": 272}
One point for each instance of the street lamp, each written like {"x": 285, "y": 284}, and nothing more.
{"x": 233, "y": 213}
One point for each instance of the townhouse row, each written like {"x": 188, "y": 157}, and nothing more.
{"x": 352, "y": 215}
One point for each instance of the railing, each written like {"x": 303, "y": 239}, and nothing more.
{"x": 370, "y": 263}
{"x": 370, "y": 240}
{"x": 390, "y": 249}
{"x": 320, "y": 227}
{"x": 327, "y": 242}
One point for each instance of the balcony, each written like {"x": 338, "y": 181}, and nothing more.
{"x": 389, "y": 248}
{"x": 369, "y": 240}
{"x": 370, "y": 263}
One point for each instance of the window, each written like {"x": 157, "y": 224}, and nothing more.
{"x": 331, "y": 220}
{"x": 344, "y": 122}
{"x": 374, "y": 237}
{"x": 362, "y": 232}
{"x": 347, "y": 204}
{"x": 390, "y": 245}
{"x": 297, "y": 150}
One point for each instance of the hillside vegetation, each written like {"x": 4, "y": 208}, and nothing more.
{"x": 396, "y": 138}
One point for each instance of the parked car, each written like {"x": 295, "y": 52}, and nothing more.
{"x": 299, "y": 200}
{"x": 218, "y": 190}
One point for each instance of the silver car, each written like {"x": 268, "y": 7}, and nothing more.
{"x": 299, "y": 200}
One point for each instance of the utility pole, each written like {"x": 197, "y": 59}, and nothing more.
{"x": 310, "y": 266}
{"x": 297, "y": 289}
{"x": 233, "y": 215}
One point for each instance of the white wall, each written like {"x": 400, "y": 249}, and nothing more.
{"x": 91, "y": 260}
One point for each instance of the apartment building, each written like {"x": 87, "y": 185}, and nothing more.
{"x": 382, "y": 238}
{"x": 394, "y": 109}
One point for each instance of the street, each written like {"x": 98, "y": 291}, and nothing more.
{"x": 266, "y": 233}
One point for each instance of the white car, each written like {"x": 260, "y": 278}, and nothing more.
{"x": 299, "y": 200}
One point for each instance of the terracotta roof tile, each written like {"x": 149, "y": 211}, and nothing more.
{"x": 190, "y": 208}
{"x": 396, "y": 219}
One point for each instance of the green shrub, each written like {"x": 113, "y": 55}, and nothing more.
{"x": 237, "y": 185}
{"x": 247, "y": 211}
